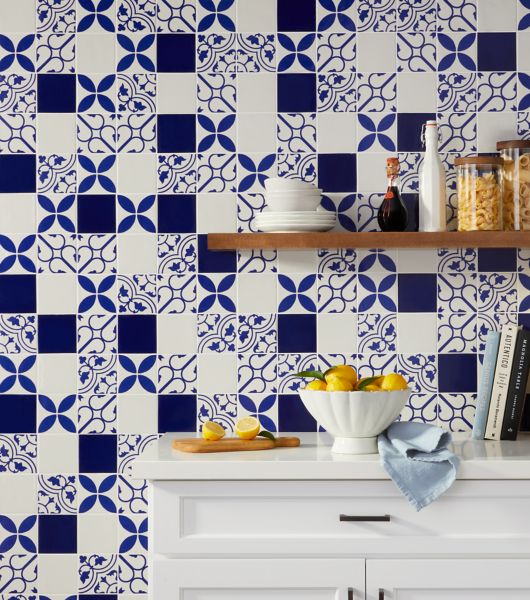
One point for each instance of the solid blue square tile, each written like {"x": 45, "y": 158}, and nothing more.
{"x": 297, "y": 92}
{"x": 411, "y": 204}
{"x": 497, "y": 51}
{"x": 98, "y": 453}
{"x": 57, "y": 534}
{"x": 215, "y": 261}
{"x": 176, "y": 133}
{"x": 417, "y": 292}
{"x": 293, "y": 415}
{"x": 296, "y": 15}
{"x": 524, "y": 320}
{"x": 409, "y": 130}
{"x": 57, "y": 334}
{"x": 175, "y": 52}
{"x": 18, "y": 413}
{"x": 56, "y": 93}
{"x": 337, "y": 172}
{"x": 177, "y": 412}
{"x": 136, "y": 334}
{"x": 297, "y": 333}
{"x": 176, "y": 213}
{"x": 18, "y": 173}
{"x": 18, "y": 293}
{"x": 96, "y": 213}
{"x": 497, "y": 260}
{"x": 457, "y": 373}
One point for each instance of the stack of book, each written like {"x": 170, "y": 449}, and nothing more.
{"x": 502, "y": 386}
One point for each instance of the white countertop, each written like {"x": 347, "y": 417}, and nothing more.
{"x": 314, "y": 460}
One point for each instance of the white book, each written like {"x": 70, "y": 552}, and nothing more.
{"x": 501, "y": 381}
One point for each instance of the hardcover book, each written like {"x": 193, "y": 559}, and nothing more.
{"x": 517, "y": 388}
{"x": 486, "y": 384}
{"x": 501, "y": 381}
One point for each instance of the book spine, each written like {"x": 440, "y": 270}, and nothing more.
{"x": 501, "y": 381}
{"x": 486, "y": 385}
{"x": 517, "y": 388}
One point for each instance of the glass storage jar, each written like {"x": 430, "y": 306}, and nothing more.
{"x": 516, "y": 186}
{"x": 479, "y": 193}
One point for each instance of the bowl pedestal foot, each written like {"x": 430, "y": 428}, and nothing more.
{"x": 343, "y": 445}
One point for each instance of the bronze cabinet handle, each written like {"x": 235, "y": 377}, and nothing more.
{"x": 350, "y": 593}
{"x": 381, "y": 594}
{"x": 365, "y": 518}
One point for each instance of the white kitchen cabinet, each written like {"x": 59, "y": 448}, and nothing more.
{"x": 292, "y": 579}
{"x": 293, "y": 524}
{"x": 451, "y": 579}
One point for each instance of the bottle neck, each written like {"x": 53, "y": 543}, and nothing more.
{"x": 431, "y": 140}
{"x": 393, "y": 182}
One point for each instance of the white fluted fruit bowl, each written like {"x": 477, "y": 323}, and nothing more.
{"x": 355, "y": 419}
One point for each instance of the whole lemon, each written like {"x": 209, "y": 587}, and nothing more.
{"x": 394, "y": 381}
{"x": 338, "y": 384}
{"x": 316, "y": 385}
{"x": 371, "y": 388}
{"x": 364, "y": 382}
{"x": 342, "y": 371}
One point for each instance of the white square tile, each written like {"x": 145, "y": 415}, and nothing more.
{"x": 58, "y": 574}
{"x": 257, "y": 293}
{"x": 57, "y": 293}
{"x": 256, "y": 92}
{"x": 138, "y": 413}
{"x": 255, "y": 16}
{"x": 424, "y": 260}
{"x": 137, "y": 253}
{"x": 96, "y": 53}
{"x": 17, "y": 16}
{"x": 492, "y": 127}
{"x": 97, "y": 533}
{"x": 417, "y": 333}
{"x": 57, "y": 373}
{"x": 216, "y": 213}
{"x": 523, "y": 51}
{"x": 18, "y": 213}
{"x": 497, "y": 15}
{"x": 297, "y": 261}
{"x": 256, "y": 132}
{"x": 137, "y": 173}
{"x": 376, "y": 52}
{"x": 177, "y": 334}
{"x": 337, "y": 132}
{"x": 177, "y": 93}
{"x": 57, "y": 133}
{"x": 337, "y": 333}
{"x": 371, "y": 172}
{"x": 417, "y": 92}
{"x": 18, "y": 494}
{"x": 217, "y": 373}
{"x": 58, "y": 454}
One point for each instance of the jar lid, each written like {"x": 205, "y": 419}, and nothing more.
{"x": 479, "y": 160}
{"x": 513, "y": 144}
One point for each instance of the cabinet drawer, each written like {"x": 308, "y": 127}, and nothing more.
{"x": 303, "y": 518}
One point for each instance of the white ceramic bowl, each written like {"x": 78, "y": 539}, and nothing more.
{"x": 292, "y": 201}
{"x": 355, "y": 419}
{"x": 281, "y": 184}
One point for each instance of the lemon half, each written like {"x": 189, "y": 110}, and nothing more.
{"x": 247, "y": 428}
{"x": 212, "y": 431}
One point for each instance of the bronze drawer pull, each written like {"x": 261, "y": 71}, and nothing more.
{"x": 350, "y": 593}
{"x": 381, "y": 594}
{"x": 365, "y": 518}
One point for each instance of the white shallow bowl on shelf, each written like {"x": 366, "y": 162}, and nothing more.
{"x": 293, "y": 227}
{"x": 315, "y": 216}
{"x": 281, "y": 184}
{"x": 355, "y": 419}
{"x": 293, "y": 201}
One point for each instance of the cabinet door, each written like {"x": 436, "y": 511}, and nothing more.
{"x": 266, "y": 579}
{"x": 464, "y": 579}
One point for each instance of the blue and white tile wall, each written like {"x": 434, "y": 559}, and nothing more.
{"x": 131, "y": 128}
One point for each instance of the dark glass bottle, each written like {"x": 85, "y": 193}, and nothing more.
{"x": 392, "y": 215}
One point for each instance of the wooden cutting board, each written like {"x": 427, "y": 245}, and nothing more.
{"x": 197, "y": 445}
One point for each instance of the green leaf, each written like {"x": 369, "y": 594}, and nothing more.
{"x": 367, "y": 381}
{"x": 267, "y": 434}
{"x": 315, "y": 374}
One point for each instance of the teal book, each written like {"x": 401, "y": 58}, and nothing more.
{"x": 486, "y": 384}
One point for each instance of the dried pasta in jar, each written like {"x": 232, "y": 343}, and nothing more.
{"x": 479, "y": 193}
{"x": 516, "y": 194}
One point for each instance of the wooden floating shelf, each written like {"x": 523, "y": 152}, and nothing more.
{"x": 331, "y": 239}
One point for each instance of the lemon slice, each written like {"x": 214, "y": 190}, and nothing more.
{"x": 247, "y": 428}
{"x": 212, "y": 431}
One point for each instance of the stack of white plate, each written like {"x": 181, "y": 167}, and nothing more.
{"x": 292, "y": 205}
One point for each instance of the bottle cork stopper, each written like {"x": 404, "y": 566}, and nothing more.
{"x": 392, "y": 166}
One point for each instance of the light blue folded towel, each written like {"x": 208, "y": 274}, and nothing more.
{"x": 416, "y": 457}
